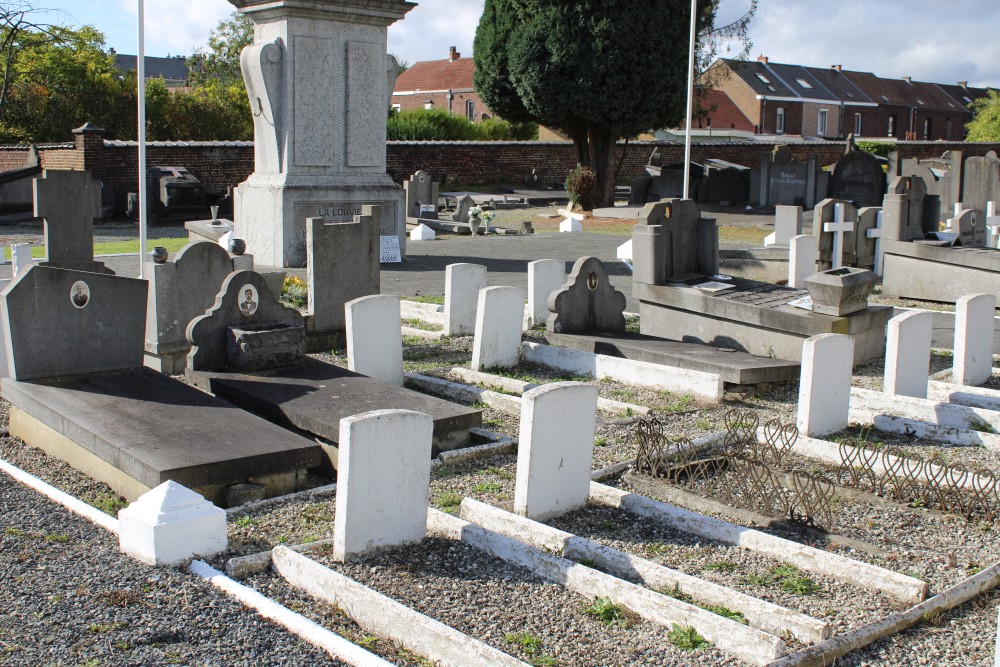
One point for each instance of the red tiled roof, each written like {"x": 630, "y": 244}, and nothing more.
{"x": 723, "y": 113}
{"x": 437, "y": 75}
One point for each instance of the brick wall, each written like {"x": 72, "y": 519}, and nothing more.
{"x": 223, "y": 164}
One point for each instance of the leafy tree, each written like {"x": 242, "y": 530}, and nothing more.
{"x": 597, "y": 70}
{"x": 985, "y": 125}
{"x": 220, "y": 61}
{"x": 20, "y": 28}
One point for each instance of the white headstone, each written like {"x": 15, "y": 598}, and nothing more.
{"x": 545, "y": 276}
{"x": 374, "y": 341}
{"x": 624, "y": 253}
{"x": 20, "y": 256}
{"x": 170, "y": 525}
{"x": 838, "y": 227}
{"x": 383, "y": 478}
{"x": 908, "y": 354}
{"x": 499, "y": 316}
{"x": 825, "y": 384}
{"x": 974, "y": 321}
{"x": 422, "y": 233}
{"x": 992, "y": 225}
{"x": 802, "y": 251}
{"x": 555, "y": 449}
{"x": 462, "y": 283}
{"x": 573, "y": 222}
{"x": 787, "y": 224}
{"x": 876, "y": 233}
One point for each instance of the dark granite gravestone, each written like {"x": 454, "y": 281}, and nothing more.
{"x": 245, "y": 305}
{"x": 730, "y": 184}
{"x": 981, "y": 183}
{"x": 780, "y": 182}
{"x": 66, "y": 322}
{"x": 858, "y": 178}
{"x": 68, "y": 201}
{"x": 181, "y": 290}
{"x": 343, "y": 261}
{"x": 586, "y": 302}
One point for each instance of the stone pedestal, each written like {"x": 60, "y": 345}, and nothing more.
{"x": 319, "y": 81}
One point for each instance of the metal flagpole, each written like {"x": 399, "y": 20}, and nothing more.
{"x": 690, "y": 105}
{"x": 141, "y": 85}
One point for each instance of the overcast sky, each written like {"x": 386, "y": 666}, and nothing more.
{"x": 929, "y": 40}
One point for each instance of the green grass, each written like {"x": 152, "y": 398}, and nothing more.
{"x": 787, "y": 577}
{"x": 439, "y": 300}
{"x": 57, "y": 537}
{"x": 117, "y": 247}
{"x": 724, "y": 566}
{"x": 607, "y": 612}
{"x": 448, "y": 499}
{"x": 486, "y": 487}
{"x": 108, "y": 502}
{"x": 718, "y": 610}
{"x": 420, "y": 324}
{"x": 245, "y": 521}
{"x": 687, "y": 638}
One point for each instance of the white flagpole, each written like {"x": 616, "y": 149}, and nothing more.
{"x": 690, "y": 101}
{"x": 141, "y": 84}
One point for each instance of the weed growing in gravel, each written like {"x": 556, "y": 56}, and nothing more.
{"x": 498, "y": 472}
{"x": 607, "y": 612}
{"x": 60, "y": 538}
{"x": 527, "y": 641}
{"x": 981, "y": 426}
{"x": 104, "y": 628}
{"x": 282, "y": 539}
{"x": 245, "y": 521}
{"x": 677, "y": 403}
{"x": 448, "y": 499}
{"x": 367, "y": 641}
{"x": 13, "y": 531}
{"x": 703, "y": 424}
{"x": 413, "y": 340}
{"x": 107, "y": 502}
{"x": 656, "y": 548}
{"x": 492, "y": 423}
{"x": 686, "y": 638}
{"x": 631, "y": 324}
{"x": 586, "y": 562}
{"x": 935, "y": 618}
{"x": 419, "y": 324}
{"x": 723, "y": 566}
{"x": 607, "y": 525}
{"x": 725, "y": 612}
{"x": 600, "y": 442}
{"x": 788, "y": 578}
{"x": 443, "y": 472}
{"x": 315, "y": 513}
{"x": 486, "y": 487}
{"x": 478, "y": 406}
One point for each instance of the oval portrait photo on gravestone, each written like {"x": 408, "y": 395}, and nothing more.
{"x": 248, "y": 300}
{"x": 79, "y": 294}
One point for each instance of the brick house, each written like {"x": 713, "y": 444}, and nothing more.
{"x": 440, "y": 84}
{"x": 832, "y": 103}
{"x": 173, "y": 69}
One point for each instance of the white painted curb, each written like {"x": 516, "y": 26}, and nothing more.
{"x": 405, "y": 330}
{"x": 315, "y": 634}
{"x": 74, "y": 505}
{"x": 762, "y": 615}
{"x": 974, "y": 397}
{"x": 706, "y": 386}
{"x": 932, "y": 412}
{"x": 748, "y": 644}
{"x": 385, "y": 617}
{"x": 943, "y": 435}
{"x": 510, "y": 405}
{"x": 809, "y": 559}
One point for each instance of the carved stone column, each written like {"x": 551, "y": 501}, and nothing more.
{"x": 319, "y": 81}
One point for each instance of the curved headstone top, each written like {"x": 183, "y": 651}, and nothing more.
{"x": 587, "y": 302}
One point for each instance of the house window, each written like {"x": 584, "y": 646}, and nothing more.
{"x": 857, "y": 125}
{"x": 428, "y": 105}
{"x": 397, "y": 107}
{"x": 762, "y": 77}
{"x": 803, "y": 83}
{"x": 947, "y": 129}
{"x": 780, "y": 123}
{"x": 821, "y": 122}
{"x": 892, "y": 126}
{"x": 470, "y": 109}
{"x": 927, "y": 129}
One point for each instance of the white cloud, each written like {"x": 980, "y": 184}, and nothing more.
{"x": 178, "y": 26}
{"x": 434, "y": 25}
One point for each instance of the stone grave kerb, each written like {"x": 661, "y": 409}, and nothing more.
{"x": 587, "y": 302}
{"x": 68, "y": 201}
{"x": 233, "y": 307}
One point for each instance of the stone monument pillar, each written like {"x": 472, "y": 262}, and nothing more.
{"x": 319, "y": 81}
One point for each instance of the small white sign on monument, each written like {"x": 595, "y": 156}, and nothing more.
{"x": 389, "y": 250}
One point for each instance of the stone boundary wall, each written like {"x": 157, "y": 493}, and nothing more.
{"x": 221, "y": 164}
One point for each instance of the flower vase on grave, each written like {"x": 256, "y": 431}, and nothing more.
{"x": 474, "y": 222}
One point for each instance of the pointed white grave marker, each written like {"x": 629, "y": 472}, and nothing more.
{"x": 992, "y": 225}
{"x": 838, "y": 227}
{"x": 170, "y": 525}
{"x": 573, "y": 222}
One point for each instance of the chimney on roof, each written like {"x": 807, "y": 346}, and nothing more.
{"x": 963, "y": 84}
{"x": 837, "y": 67}
{"x": 453, "y": 54}
{"x": 762, "y": 59}
{"x": 908, "y": 79}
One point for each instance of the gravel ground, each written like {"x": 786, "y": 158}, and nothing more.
{"x": 492, "y": 600}
{"x": 69, "y": 597}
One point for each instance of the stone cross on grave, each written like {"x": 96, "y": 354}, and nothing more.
{"x": 838, "y": 227}
{"x": 992, "y": 225}
{"x": 876, "y": 233}
{"x": 68, "y": 202}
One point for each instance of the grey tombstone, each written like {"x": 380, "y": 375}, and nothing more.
{"x": 971, "y": 228}
{"x": 68, "y": 202}
{"x": 343, "y": 266}
{"x": 864, "y": 241}
{"x": 587, "y": 302}
{"x": 461, "y": 213}
{"x": 906, "y": 209}
{"x": 825, "y": 212}
{"x": 179, "y": 291}
{"x": 859, "y": 179}
{"x": 787, "y": 184}
{"x": 981, "y": 182}
{"x": 247, "y": 328}
{"x": 672, "y": 242}
{"x": 68, "y": 322}
{"x": 942, "y": 177}
{"x": 421, "y": 191}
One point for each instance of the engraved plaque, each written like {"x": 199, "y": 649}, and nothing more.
{"x": 314, "y": 108}
{"x": 366, "y": 104}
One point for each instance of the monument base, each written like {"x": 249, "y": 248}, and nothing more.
{"x": 134, "y": 430}
{"x": 915, "y": 270}
{"x": 753, "y": 317}
{"x": 271, "y": 213}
